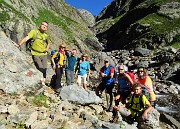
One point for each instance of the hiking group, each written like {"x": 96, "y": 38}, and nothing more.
{"x": 136, "y": 94}
{"x": 127, "y": 92}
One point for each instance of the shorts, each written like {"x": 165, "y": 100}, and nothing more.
{"x": 82, "y": 78}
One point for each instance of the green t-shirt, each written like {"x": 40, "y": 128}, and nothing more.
{"x": 136, "y": 105}
{"x": 39, "y": 45}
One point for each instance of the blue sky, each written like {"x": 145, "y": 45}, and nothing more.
{"x": 93, "y": 6}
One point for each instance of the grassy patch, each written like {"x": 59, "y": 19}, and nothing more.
{"x": 40, "y": 100}
{"x": 160, "y": 2}
{"x": 4, "y": 16}
{"x": 176, "y": 42}
{"x": 160, "y": 24}
{"x": 61, "y": 21}
{"x": 20, "y": 125}
{"x": 11, "y": 9}
{"x": 118, "y": 18}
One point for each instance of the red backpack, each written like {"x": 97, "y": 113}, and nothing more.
{"x": 131, "y": 75}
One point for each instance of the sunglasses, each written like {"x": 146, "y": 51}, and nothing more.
{"x": 44, "y": 25}
{"x": 121, "y": 69}
{"x": 140, "y": 71}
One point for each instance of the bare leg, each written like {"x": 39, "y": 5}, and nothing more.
{"x": 84, "y": 86}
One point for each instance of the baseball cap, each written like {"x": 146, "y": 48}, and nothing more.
{"x": 106, "y": 60}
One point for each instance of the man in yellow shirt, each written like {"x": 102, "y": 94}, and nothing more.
{"x": 39, "y": 48}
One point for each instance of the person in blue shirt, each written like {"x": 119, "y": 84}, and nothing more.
{"x": 83, "y": 71}
{"x": 71, "y": 61}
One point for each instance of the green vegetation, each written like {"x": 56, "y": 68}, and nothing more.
{"x": 176, "y": 42}
{"x": 20, "y": 125}
{"x": 4, "y": 16}
{"x": 11, "y": 9}
{"x": 62, "y": 21}
{"x": 118, "y": 18}
{"x": 14, "y": 94}
{"x": 40, "y": 100}
{"x": 160, "y": 24}
{"x": 159, "y": 2}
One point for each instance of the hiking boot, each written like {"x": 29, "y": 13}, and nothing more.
{"x": 110, "y": 109}
{"x": 57, "y": 90}
{"x": 115, "y": 120}
{"x": 42, "y": 81}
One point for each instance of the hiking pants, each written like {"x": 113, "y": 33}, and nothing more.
{"x": 59, "y": 72}
{"x": 69, "y": 77}
{"x": 41, "y": 64}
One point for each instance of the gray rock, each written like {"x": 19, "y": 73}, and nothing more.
{"x": 78, "y": 95}
{"x": 87, "y": 16}
{"x": 142, "y": 51}
{"x": 169, "y": 120}
{"x": 32, "y": 118}
{"x": 152, "y": 120}
{"x": 16, "y": 70}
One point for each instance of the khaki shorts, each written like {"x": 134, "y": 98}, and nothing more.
{"x": 40, "y": 61}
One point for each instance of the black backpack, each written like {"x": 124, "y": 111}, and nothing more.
{"x": 53, "y": 81}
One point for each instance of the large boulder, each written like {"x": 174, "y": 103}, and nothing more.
{"x": 169, "y": 120}
{"x": 16, "y": 72}
{"x": 78, "y": 95}
{"x": 152, "y": 121}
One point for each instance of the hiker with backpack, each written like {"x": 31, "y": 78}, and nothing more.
{"x": 58, "y": 65}
{"x": 39, "y": 48}
{"x": 138, "y": 106}
{"x": 106, "y": 75}
{"x": 71, "y": 61}
{"x": 83, "y": 68}
{"x": 124, "y": 84}
{"x": 146, "y": 81}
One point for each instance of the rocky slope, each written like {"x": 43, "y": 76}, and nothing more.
{"x": 25, "y": 104}
{"x": 149, "y": 27}
{"x": 66, "y": 24}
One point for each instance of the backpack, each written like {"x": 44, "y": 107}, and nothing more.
{"x": 131, "y": 75}
{"x": 140, "y": 102}
{"x": 31, "y": 41}
{"x": 145, "y": 92}
{"x": 53, "y": 81}
{"x": 56, "y": 59}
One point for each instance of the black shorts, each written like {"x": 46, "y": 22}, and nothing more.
{"x": 108, "y": 88}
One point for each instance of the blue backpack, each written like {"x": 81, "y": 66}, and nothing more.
{"x": 145, "y": 92}
{"x": 56, "y": 59}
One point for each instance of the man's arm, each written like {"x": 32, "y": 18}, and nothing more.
{"x": 22, "y": 41}
{"x": 111, "y": 72}
{"x": 52, "y": 59}
{"x": 149, "y": 108}
{"x": 47, "y": 47}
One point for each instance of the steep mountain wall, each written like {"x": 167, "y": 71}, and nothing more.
{"x": 145, "y": 23}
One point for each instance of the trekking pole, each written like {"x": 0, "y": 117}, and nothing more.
{"x": 107, "y": 101}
